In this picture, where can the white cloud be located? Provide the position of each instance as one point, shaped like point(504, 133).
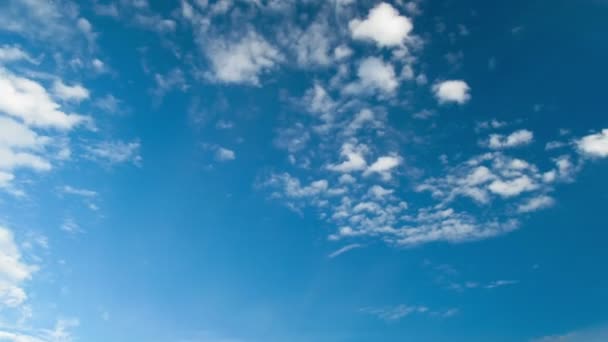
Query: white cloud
point(536, 203)
point(87, 30)
point(383, 166)
point(378, 191)
point(13, 271)
point(17, 135)
point(342, 52)
point(51, 21)
point(362, 118)
point(313, 46)
point(13, 53)
point(69, 190)
point(224, 154)
point(242, 61)
point(594, 145)
point(30, 102)
point(374, 75)
point(518, 138)
point(20, 147)
point(384, 25)
point(344, 250)
point(355, 159)
point(293, 188)
point(109, 104)
point(70, 226)
point(514, 187)
point(11, 159)
point(395, 313)
point(501, 283)
point(223, 124)
point(174, 79)
point(115, 152)
point(66, 92)
point(452, 91)
point(596, 334)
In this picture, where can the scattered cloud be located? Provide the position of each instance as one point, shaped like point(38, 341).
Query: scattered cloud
point(14, 271)
point(242, 61)
point(536, 203)
point(224, 154)
point(66, 92)
point(456, 91)
point(518, 138)
point(115, 152)
point(374, 75)
point(383, 166)
point(396, 313)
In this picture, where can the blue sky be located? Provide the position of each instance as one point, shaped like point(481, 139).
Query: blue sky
point(283, 170)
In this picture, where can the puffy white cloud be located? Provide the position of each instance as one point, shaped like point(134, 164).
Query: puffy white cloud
point(457, 91)
point(115, 152)
point(384, 25)
point(224, 154)
point(242, 61)
point(518, 138)
point(66, 92)
point(536, 203)
point(30, 102)
point(594, 145)
point(374, 75)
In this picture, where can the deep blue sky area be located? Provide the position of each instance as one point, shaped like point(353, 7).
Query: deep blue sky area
point(303, 171)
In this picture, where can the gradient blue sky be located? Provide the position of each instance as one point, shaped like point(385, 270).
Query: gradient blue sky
point(286, 171)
